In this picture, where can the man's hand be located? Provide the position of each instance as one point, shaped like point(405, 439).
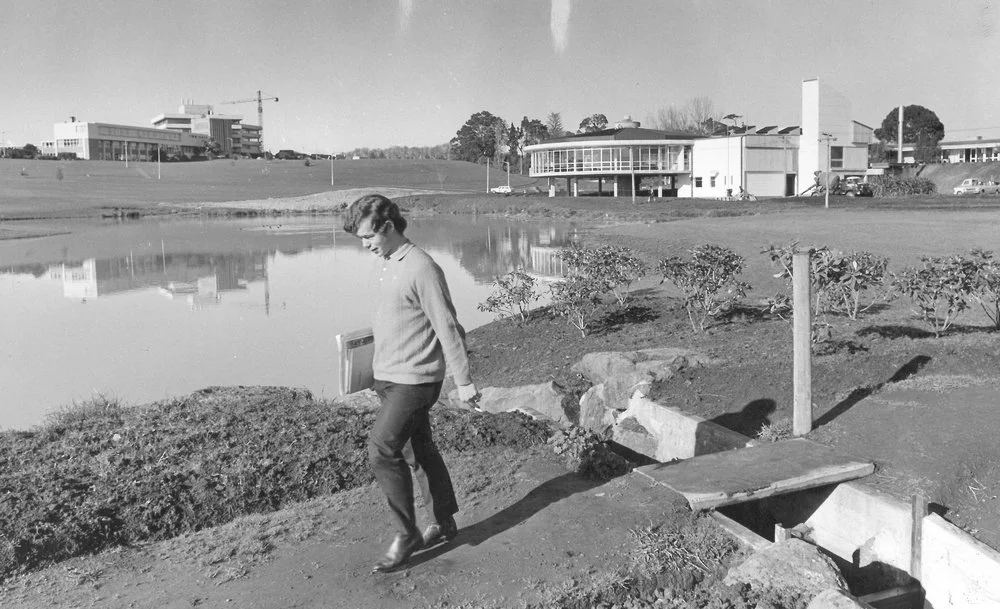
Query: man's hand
point(469, 394)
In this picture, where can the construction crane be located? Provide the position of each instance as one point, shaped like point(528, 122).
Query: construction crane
point(260, 112)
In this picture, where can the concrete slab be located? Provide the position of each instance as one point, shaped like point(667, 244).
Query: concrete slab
point(714, 480)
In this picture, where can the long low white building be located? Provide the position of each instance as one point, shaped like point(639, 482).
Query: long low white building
point(111, 142)
point(768, 161)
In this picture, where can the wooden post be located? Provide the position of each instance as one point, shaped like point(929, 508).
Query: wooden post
point(918, 509)
point(802, 418)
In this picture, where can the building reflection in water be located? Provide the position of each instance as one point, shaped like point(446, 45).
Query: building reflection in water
point(197, 279)
point(502, 249)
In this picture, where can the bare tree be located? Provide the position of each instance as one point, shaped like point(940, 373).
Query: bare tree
point(699, 110)
point(694, 116)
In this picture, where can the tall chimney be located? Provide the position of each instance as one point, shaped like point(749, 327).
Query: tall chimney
point(899, 137)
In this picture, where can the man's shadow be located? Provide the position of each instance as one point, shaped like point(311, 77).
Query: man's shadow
point(535, 501)
point(750, 420)
point(906, 371)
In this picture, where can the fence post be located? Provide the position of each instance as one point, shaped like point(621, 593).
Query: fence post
point(802, 418)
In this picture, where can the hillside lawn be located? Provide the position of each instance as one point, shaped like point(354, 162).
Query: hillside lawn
point(49, 189)
point(31, 189)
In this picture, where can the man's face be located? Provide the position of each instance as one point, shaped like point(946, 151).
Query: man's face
point(374, 242)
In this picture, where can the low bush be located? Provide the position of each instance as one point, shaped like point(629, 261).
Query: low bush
point(708, 280)
point(987, 292)
point(894, 186)
point(512, 295)
point(940, 290)
point(578, 299)
point(848, 283)
point(615, 267)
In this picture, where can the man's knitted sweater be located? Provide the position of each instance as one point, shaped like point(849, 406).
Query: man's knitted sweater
point(415, 326)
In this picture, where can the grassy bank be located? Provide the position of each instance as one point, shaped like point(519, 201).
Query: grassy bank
point(102, 475)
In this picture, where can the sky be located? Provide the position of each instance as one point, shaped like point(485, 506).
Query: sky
point(379, 73)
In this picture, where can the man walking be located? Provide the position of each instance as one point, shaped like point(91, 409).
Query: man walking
point(416, 334)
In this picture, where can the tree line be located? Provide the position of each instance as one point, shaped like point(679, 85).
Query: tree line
point(488, 138)
point(485, 137)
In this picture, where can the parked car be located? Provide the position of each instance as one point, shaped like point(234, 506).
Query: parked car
point(975, 186)
point(856, 186)
point(503, 189)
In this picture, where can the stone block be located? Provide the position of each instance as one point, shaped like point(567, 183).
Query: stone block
point(678, 435)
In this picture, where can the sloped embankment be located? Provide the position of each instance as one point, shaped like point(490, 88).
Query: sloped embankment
point(949, 175)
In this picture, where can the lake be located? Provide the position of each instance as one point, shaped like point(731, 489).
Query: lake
point(147, 309)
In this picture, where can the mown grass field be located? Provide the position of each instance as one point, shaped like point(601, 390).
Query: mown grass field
point(46, 189)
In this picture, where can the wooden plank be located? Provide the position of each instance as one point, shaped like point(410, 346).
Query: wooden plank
point(910, 596)
point(740, 532)
point(737, 476)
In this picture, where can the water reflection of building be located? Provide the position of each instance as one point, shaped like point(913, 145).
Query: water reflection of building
point(200, 278)
point(546, 263)
point(530, 248)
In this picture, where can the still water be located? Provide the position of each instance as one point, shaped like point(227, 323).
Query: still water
point(149, 309)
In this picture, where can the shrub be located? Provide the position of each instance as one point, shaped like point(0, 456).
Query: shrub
point(840, 283)
point(893, 186)
point(615, 267)
point(577, 298)
point(708, 281)
point(987, 292)
point(940, 290)
point(619, 267)
point(512, 294)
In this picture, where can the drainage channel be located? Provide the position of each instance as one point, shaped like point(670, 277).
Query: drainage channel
point(892, 553)
point(773, 519)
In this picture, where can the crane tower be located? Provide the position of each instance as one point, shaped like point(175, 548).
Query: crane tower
point(260, 111)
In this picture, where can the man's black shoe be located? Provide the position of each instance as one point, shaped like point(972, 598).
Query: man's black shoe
point(440, 532)
point(400, 550)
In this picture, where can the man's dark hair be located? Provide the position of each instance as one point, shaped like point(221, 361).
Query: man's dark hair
point(380, 208)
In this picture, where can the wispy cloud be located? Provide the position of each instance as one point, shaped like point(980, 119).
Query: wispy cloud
point(405, 11)
point(559, 24)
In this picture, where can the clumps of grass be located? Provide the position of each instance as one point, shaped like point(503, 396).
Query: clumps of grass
point(671, 567)
point(776, 431)
point(103, 474)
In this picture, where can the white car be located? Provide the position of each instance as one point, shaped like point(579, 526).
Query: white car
point(503, 189)
point(975, 186)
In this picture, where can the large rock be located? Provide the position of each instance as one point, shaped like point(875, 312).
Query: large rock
point(600, 366)
point(536, 400)
point(618, 376)
point(791, 567)
point(601, 403)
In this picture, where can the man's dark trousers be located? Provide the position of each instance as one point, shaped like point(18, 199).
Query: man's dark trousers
point(401, 441)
